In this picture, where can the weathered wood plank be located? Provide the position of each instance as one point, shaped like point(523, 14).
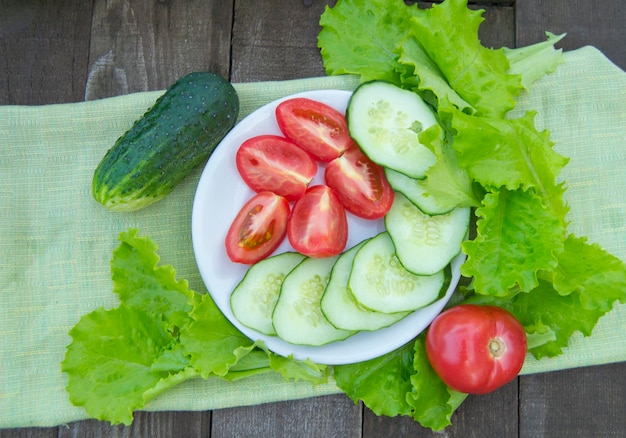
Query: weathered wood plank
point(601, 24)
point(277, 41)
point(328, 416)
point(47, 432)
point(145, 424)
point(581, 402)
point(493, 415)
point(44, 47)
point(140, 46)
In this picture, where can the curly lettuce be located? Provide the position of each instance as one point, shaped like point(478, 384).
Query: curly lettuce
point(520, 256)
point(161, 334)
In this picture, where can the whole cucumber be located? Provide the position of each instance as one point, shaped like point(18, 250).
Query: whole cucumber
point(176, 134)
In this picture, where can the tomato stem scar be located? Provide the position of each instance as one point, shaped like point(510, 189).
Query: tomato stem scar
point(497, 347)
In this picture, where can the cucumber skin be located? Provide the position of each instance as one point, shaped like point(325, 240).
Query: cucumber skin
point(180, 131)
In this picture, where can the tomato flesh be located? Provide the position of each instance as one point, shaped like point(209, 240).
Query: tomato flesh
point(318, 226)
point(258, 229)
point(276, 164)
point(360, 184)
point(314, 126)
point(476, 349)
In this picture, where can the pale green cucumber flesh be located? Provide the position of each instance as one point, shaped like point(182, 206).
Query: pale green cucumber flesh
point(254, 298)
point(297, 317)
point(379, 281)
point(385, 120)
point(414, 190)
point(425, 244)
point(340, 307)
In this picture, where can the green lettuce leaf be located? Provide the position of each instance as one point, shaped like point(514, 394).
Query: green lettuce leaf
point(422, 75)
point(300, 370)
point(507, 153)
point(516, 236)
point(212, 342)
point(140, 282)
point(433, 403)
point(255, 362)
point(586, 284)
point(359, 37)
point(110, 363)
point(587, 269)
point(445, 180)
point(448, 32)
point(536, 60)
point(381, 383)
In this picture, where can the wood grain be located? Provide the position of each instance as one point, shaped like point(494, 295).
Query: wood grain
point(328, 416)
point(576, 403)
point(601, 24)
point(44, 47)
point(276, 43)
point(141, 46)
point(145, 424)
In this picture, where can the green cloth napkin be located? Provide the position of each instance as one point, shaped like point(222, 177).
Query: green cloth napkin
point(56, 242)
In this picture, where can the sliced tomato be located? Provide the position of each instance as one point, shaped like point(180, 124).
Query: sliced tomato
point(316, 127)
point(276, 164)
point(360, 184)
point(318, 226)
point(258, 229)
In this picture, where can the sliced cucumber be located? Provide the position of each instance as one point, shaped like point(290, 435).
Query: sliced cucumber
point(425, 244)
point(254, 298)
point(339, 305)
point(415, 191)
point(385, 121)
point(380, 283)
point(298, 317)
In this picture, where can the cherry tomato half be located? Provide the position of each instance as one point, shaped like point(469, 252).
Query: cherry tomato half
point(318, 226)
point(258, 229)
point(314, 126)
point(476, 349)
point(360, 184)
point(273, 163)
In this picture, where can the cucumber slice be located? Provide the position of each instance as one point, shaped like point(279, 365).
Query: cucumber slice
point(298, 317)
point(425, 244)
point(254, 298)
point(385, 121)
point(340, 307)
point(415, 191)
point(379, 281)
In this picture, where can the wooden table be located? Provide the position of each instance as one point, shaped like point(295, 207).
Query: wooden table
point(75, 50)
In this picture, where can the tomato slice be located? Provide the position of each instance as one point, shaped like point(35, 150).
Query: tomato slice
point(276, 164)
point(318, 226)
point(360, 184)
point(258, 229)
point(316, 127)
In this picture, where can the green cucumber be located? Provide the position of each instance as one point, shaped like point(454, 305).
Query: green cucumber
point(297, 317)
point(425, 243)
point(379, 282)
point(254, 298)
point(175, 135)
point(385, 120)
point(340, 307)
point(415, 191)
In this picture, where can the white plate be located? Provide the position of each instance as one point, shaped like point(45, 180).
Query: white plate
point(219, 196)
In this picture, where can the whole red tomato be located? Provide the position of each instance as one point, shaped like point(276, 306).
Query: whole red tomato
point(476, 349)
